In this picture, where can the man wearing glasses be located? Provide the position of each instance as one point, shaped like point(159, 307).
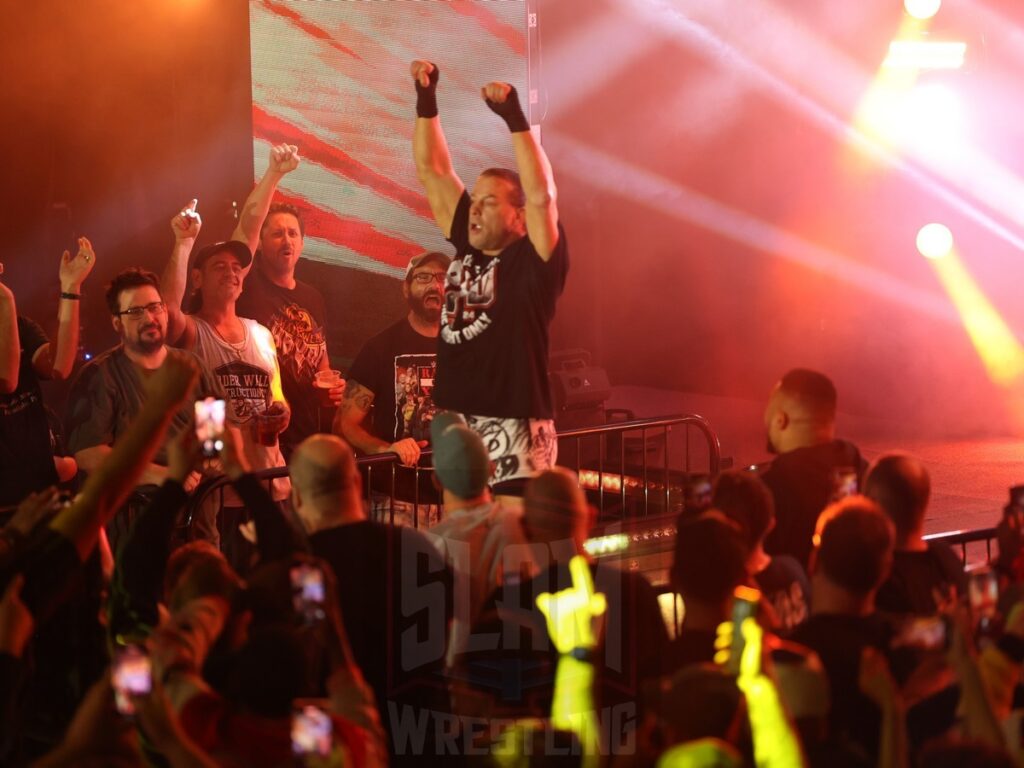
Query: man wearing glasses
point(388, 401)
point(109, 390)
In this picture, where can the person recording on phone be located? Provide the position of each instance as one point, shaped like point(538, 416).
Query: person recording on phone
point(241, 354)
point(109, 391)
point(390, 580)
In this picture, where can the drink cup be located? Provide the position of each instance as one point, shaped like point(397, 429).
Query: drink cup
point(324, 382)
point(265, 432)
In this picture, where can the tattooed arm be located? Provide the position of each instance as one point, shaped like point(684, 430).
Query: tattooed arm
point(349, 424)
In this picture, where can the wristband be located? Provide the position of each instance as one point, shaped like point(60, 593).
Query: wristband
point(426, 98)
point(71, 296)
point(511, 112)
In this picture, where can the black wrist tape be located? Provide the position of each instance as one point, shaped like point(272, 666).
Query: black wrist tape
point(426, 98)
point(511, 112)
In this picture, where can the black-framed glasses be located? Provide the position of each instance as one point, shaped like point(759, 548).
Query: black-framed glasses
point(154, 308)
point(429, 277)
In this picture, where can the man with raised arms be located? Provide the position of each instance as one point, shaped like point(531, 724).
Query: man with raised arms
point(509, 270)
point(294, 311)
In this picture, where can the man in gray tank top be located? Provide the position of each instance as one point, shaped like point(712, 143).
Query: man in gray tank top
point(239, 351)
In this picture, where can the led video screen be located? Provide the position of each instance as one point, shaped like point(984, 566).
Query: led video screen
point(333, 79)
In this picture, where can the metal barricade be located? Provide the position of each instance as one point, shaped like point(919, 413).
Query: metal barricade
point(962, 538)
point(628, 469)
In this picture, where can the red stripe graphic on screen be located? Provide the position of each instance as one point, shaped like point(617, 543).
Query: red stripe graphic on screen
point(355, 234)
point(275, 130)
point(333, 79)
point(308, 27)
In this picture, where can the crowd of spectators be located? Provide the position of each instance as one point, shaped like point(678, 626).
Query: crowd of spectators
point(491, 636)
point(805, 619)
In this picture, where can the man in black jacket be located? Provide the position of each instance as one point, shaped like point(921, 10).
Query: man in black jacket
point(812, 468)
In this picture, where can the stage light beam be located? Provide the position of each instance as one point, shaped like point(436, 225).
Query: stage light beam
point(997, 346)
point(934, 241)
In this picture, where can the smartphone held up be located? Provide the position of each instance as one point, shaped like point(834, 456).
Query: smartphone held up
point(210, 415)
point(131, 675)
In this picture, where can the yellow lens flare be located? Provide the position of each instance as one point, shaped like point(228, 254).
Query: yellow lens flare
point(1000, 351)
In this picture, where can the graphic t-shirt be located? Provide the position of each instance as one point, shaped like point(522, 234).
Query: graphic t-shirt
point(296, 320)
point(245, 371)
point(26, 450)
point(784, 585)
point(398, 366)
point(108, 394)
point(493, 355)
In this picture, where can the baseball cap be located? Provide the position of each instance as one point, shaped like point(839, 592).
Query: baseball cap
point(426, 258)
point(461, 462)
point(239, 249)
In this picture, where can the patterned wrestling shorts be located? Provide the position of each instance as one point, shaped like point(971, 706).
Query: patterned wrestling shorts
point(519, 448)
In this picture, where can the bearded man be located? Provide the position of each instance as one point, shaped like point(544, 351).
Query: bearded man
point(388, 403)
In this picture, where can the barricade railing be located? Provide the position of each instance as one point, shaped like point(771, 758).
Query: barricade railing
point(962, 538)
point(628, 469)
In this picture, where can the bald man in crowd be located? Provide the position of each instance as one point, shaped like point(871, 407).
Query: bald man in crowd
point(389, 578)
point(517, 669)
point(812, 468)
point(925, 575)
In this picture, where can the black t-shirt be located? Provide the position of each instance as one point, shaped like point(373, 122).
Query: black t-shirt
point(398, 366)
point(493, 355)
point(693, 646)
point(785, 586)
point(916, 576)
point(839, 641)
point(395, 591)
point(108, 393)
point(804, 482)
point(26, 450)
point(296, 317)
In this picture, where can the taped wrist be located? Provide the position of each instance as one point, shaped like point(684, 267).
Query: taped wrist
point(426, 98)
point(511, 112)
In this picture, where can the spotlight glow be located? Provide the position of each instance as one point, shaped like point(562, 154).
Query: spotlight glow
point(934, 241)
point(922, 9)
point(933, 109)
